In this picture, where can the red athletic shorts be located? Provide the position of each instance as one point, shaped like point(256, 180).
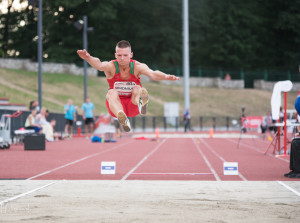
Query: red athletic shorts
point(129, 108)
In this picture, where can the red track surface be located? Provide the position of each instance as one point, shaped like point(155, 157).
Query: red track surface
point(168, 159)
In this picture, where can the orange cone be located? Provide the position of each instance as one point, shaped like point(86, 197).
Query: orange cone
point(211, 133)
point(157, 133)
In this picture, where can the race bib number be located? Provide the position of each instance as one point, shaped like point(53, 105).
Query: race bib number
point(124, 88)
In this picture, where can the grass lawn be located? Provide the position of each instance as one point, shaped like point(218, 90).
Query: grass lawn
point(22, 86)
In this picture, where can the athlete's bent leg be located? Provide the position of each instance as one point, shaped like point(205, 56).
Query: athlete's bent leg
point(116, 108)
point(135, 96)
point(124, 121)
point(140, 97)
point(114, 101)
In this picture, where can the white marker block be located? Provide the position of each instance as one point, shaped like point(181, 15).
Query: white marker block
point(231, 168)
point(108, 167)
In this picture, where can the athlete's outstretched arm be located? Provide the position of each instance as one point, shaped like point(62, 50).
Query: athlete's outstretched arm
point(93, 61)
point(155, 74)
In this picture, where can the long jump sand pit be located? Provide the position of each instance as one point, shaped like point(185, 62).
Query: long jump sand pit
point(149, 201)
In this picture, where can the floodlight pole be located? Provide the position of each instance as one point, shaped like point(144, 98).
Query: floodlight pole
point(186, 58)
point(40, 50)
point(85, 25)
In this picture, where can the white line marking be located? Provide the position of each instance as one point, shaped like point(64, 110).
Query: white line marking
point(207, 162)
point(77, 161)
point(171, 173)
point(193, 135)
point(143, 160)
point(26, 193)
point(220, 157)
point(289, 188)
point(254, 148)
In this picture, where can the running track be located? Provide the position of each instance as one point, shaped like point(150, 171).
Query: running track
point(193, 158)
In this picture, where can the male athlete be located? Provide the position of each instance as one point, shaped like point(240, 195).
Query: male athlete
point(126, 97)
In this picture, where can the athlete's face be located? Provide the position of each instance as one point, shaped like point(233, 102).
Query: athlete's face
point(123, 55)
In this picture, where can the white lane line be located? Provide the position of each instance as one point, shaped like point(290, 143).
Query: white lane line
point(79, 160)
point(207, 162)
point(262, 152)
point(171, 173)
point(220, 157)
point(289, 188)
point(143, 160)
point(26, 193)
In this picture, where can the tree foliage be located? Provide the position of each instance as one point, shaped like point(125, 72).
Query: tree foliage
point(223, 33)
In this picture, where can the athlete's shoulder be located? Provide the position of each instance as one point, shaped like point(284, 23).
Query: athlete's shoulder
point(111, 69)
point(137, 63)
point(112, 64)
point(139, 69)
point(140, 65)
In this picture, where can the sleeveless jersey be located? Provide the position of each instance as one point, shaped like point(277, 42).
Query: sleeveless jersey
point(123, 87)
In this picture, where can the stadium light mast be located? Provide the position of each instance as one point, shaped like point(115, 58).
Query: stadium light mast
point(40, 50)
point(83, 25)
point(39, 3)
point(186, 57)
point(85, 45)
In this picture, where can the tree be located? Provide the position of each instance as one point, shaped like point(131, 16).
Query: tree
point(226, 34)
point(282, 18)
point(5, 20)
point(153, 28)
point(223, 33)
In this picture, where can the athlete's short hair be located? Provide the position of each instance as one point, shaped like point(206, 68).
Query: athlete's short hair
point(123, 44)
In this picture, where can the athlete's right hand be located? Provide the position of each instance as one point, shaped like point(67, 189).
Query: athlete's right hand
point(83, 54)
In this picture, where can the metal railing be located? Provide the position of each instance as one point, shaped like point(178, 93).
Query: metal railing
point(140, 123)
point(200, 123)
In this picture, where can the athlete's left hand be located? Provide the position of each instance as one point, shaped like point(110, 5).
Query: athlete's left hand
point(170, 77)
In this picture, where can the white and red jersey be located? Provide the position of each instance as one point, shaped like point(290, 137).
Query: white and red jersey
point(124, 87)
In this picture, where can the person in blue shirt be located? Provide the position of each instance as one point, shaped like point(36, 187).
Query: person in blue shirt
point(70, 116)
point(186, 120)
point(88, 114)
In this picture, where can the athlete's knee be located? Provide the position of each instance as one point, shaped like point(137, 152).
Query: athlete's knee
point(111, 94)
point(136, 90)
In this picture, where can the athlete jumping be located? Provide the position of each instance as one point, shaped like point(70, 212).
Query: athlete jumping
point(126, 97)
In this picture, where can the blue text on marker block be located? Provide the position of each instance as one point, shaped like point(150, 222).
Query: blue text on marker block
point(230, 168)
point(108, 167)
